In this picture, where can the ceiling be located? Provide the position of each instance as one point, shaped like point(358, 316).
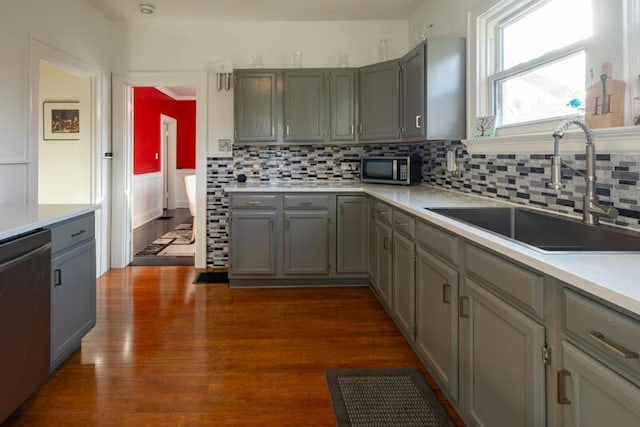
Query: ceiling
point(259, 10)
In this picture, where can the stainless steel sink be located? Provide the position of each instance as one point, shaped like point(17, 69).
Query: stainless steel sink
point(547, 232)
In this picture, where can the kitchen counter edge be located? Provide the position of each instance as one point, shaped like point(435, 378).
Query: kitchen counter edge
point(20, 219)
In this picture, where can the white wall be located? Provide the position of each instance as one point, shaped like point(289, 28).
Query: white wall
point(449, 18)
point(175, 46)
point(72, 26)
point(65, 166)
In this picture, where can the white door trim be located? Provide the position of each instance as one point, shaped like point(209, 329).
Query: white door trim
point(122, 84)
point(39, 50)
point(168, 155)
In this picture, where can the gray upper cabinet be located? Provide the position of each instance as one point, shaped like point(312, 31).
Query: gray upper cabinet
point(380, 102)
point(413, 94)
point(352, 244)
point(342, 105)
point(433, 91)
point(256, 106)
point(502, 373)
point(304, 110)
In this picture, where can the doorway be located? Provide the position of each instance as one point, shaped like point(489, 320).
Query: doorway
point(163, 153)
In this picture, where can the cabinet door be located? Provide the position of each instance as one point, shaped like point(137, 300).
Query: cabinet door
point(306, 242)
point(256, 111)
point(73, 299)
point(373, 242)
point(380, 102)
point(253, 243)
point(593, 395)
point(437, 319)
point(353, 234)
point(342, 108)
point(304, 106)
point(413, 123)
point(502, 378)
point(403, 283)
point(383, 262)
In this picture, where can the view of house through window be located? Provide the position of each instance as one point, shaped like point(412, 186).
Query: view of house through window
point(540, 66)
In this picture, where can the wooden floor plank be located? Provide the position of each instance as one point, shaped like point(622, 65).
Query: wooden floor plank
point(168, 352)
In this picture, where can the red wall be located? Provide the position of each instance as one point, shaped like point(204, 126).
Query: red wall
point(148, 104)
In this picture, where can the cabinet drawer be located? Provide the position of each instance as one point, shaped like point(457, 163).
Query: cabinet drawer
point(68, 233)
point(438, 242)
point(525, 288)
point(254, 201)
point(306, 201)
point(404, 223)
point(383, 212)
point(608, 332)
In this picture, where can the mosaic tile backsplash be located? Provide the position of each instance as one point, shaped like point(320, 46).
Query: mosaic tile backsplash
point(518, 178)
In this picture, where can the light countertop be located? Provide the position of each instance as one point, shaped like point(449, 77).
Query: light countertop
point(614, 277)
point(18, 219)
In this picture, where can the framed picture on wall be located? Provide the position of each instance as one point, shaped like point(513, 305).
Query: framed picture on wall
point(60, 120)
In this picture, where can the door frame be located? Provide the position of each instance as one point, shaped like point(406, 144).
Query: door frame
point(168, 153)
point(122, 177)
point(99, 111)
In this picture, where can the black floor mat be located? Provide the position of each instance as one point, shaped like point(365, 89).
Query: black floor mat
point(164, 217)
point(212, 277)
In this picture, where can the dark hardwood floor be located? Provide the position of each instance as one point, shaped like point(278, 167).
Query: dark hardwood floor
point(168, 352)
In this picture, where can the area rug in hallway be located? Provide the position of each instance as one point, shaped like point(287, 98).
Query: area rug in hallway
point(169, 248)
point(384, 397)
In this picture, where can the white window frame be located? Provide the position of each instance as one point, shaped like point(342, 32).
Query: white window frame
point(533, 137)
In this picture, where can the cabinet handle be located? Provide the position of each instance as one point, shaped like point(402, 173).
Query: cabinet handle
point(273, 130)
point(287, 130)
point(78, 233)
point(57, 277)
point(352, 129)
point(304, 204)
point(385, 243)
point(446, 293)
point(253, 203)
point(612, 346)
point(562, 393)
point(401, 224)
point(383, 213)
point(463, 313)
point(418, 122)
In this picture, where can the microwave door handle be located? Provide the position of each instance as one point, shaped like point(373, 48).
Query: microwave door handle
point(394, 170)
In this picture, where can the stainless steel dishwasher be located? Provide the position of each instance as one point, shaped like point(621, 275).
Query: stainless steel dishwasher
point(25, 280)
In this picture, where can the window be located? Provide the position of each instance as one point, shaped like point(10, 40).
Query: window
point(535, 60)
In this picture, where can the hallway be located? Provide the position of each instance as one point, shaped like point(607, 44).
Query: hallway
point(152, 230)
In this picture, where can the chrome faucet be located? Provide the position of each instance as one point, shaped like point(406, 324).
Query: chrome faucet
point(591, 209)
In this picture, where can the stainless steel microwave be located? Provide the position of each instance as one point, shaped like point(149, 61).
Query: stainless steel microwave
point(391, 170)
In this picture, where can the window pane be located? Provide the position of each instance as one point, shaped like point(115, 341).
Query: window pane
point(544, 92)
point(556, 24)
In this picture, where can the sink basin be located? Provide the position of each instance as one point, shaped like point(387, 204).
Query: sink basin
point(547, 232)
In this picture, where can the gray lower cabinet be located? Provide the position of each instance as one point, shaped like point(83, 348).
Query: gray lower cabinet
point(373, 240)
point(304, 109)
point(502, 376)
point(73, 286)
point(403, 290)
point(380, 102)
point(256, 106)
point(253, 243)
point(352, 234)
point(306, 242)
point(383, 264)
point(436, 336)
point(592, 395)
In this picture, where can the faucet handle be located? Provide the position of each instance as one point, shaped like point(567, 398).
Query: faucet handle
point(556, 185)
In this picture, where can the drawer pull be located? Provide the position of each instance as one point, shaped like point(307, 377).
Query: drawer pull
point(615, 348)
point(462, 303)
point(253, 203)
point(383, 213)
point(57, 277)
point(562, 394)
point(78, 233)
point(304, 204)
point(401, 224)
point(446, 293)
